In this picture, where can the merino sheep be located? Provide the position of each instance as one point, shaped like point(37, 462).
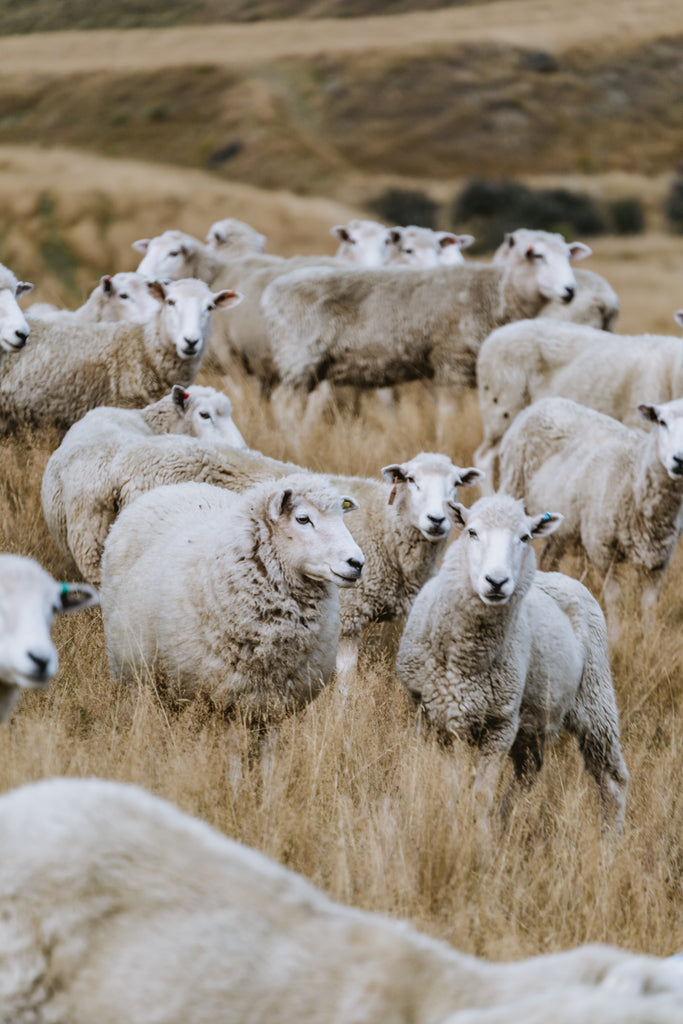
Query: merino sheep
point(232, 238)
point(621, 490)
point(117, 907)
point(363, 242)
point(29, 600)
point(503, 657)
point(80, 484)
point(14, 330)
point(121, 297)
point(254, 621)
point(532, 359)
point(595, 303)
point(69, 369)
point(421, 247)
point(375, 329)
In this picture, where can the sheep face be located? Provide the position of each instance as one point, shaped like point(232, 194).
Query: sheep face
point(14, 330)
point(206, 414)
point(669, 420)
point(422, 247)
point(497, 532)
point(549, 256)
point(169, 257)
point(311, 538)
point(186, 312)
point(29, 600)
point(230, 233)
point(363, 242)
point(420, 488)
point(127, 298)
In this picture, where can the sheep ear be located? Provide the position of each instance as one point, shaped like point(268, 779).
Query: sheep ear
point(649, 412)
point(74, 596)
point(509, 238)
point(445, 238)
point(226, 299)
point(456, 513)
point(22, 288)
point(469, 477)
point(464, 241)
point(142, 244)
point(541, 526)
point(105, 283)
point(280, 504)
point(394, 474)
point(180, 396)
point(678, 317)
point(340, 232)
point(157, 289)
point(349, 504)
point(394, 236)
point(578, 251)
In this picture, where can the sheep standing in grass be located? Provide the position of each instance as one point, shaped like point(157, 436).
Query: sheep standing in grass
point(29, 600)
point(505, 658)
point(621, 490)
point(69, 369)
point(231, 595)
point(80, 484)
point(117, 907)
point(421, 247)
point(14, 329)
point(121, 297)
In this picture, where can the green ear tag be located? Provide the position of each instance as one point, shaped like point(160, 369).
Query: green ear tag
point(64, 589)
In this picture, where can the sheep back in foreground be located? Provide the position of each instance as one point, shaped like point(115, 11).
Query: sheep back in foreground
point(231, 595)
point(117, 907)
point(79, 491)
point(29, 600)
point(503, 657)
point(71, 368)
point(621, 490)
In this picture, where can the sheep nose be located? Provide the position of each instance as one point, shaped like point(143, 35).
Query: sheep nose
point(496, 584)
point(22, 336)
point(356, 564)
point(437, 520)
point(569, 293)
point(191, 343)
point(40, 663)
point(678, 464)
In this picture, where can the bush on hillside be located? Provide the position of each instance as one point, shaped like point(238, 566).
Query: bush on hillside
point(405, 206)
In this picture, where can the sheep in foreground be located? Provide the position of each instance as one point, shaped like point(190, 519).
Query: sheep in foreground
point(232, 238)
point(595, 303)
point(79, 491)
point(421, 247)
point(69, 369)
point(121, 297)
point(621, 490)
point(363, 242)
point(117, 908)
point(532, 359)
point(378, 328)
point(231, 595)
point(14, 329)
point(29, 600)
point(505, 658)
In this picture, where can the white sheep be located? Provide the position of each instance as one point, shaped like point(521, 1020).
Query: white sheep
point(80, 486)
point(121, 297)
point(231, 595)
point(232, 238)
point(14, 329)
point(595, 302)
point(381, 327)
point(29, 600)
point(71, 368)
point(621, 490)
point(505, 658)
point(362, 242)
point(531, 359)
point(116, 906)
point(414, 246)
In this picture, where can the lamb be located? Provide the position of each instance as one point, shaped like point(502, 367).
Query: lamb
point(80, 483)
point(621, 490)
point(381, 328)
point(123, 296)
point(14, 330)
point(595, 303)
point(504, 657)
point(232, 238)
point(363, 242)
point(118, 907)
point(255, 620)
point(532, 359)
point(421, 247)
point(29, 600)
point(69, 369)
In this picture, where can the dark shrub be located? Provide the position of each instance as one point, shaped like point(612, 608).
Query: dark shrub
point(405, 206)
point(627, 216)
point(673, 205)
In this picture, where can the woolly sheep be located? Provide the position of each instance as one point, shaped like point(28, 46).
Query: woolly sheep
point(121, 297)
point(14, 330)
point(80, 485)
point(532, 359)
point(503, 657)
point(249, 611)
point(362, 242)
point(69, 369)
point(421, 247)
point(595, 303)
point(117, 907)
point(621, 490)
point(29, 600)
point(232, 238)
point(374, 329)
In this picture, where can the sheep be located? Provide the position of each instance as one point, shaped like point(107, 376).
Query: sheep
point(14, 329)
point(421, 247)
point(123, 296)
point(117, 907)
point(80, 483)
point(621, 490)
point(232, 238)
point(254, 621)
point(595, 303)
point(69, 368)
point(363, 242)
point(533, 359)
point(374, 329)
point(29, 600)
point(504, 657)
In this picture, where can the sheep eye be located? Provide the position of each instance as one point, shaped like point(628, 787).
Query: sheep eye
point(303, 518)
point(525, 537)
point(170, 302)
point(409, 252)
point(473, 534)
point(410, 479)
point(205, 415)
point(123, 295)
point(174, 253)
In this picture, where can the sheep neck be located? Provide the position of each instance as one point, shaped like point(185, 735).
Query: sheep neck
point(654, 512)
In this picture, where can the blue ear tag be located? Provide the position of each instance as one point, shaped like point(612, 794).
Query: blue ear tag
point(64, 589)
point(546, 517)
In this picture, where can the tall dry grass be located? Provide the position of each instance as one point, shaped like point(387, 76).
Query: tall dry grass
point(349, 794)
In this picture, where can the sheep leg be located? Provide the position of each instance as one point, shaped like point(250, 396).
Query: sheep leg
point(651, 585)
point(602, 759)
point(483, 796)
point(447, 409)
point(486, 459)
point(346, 663)
point(611, 592)
point(527, 753)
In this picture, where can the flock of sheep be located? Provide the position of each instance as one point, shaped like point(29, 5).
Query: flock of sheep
point(222, 571)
